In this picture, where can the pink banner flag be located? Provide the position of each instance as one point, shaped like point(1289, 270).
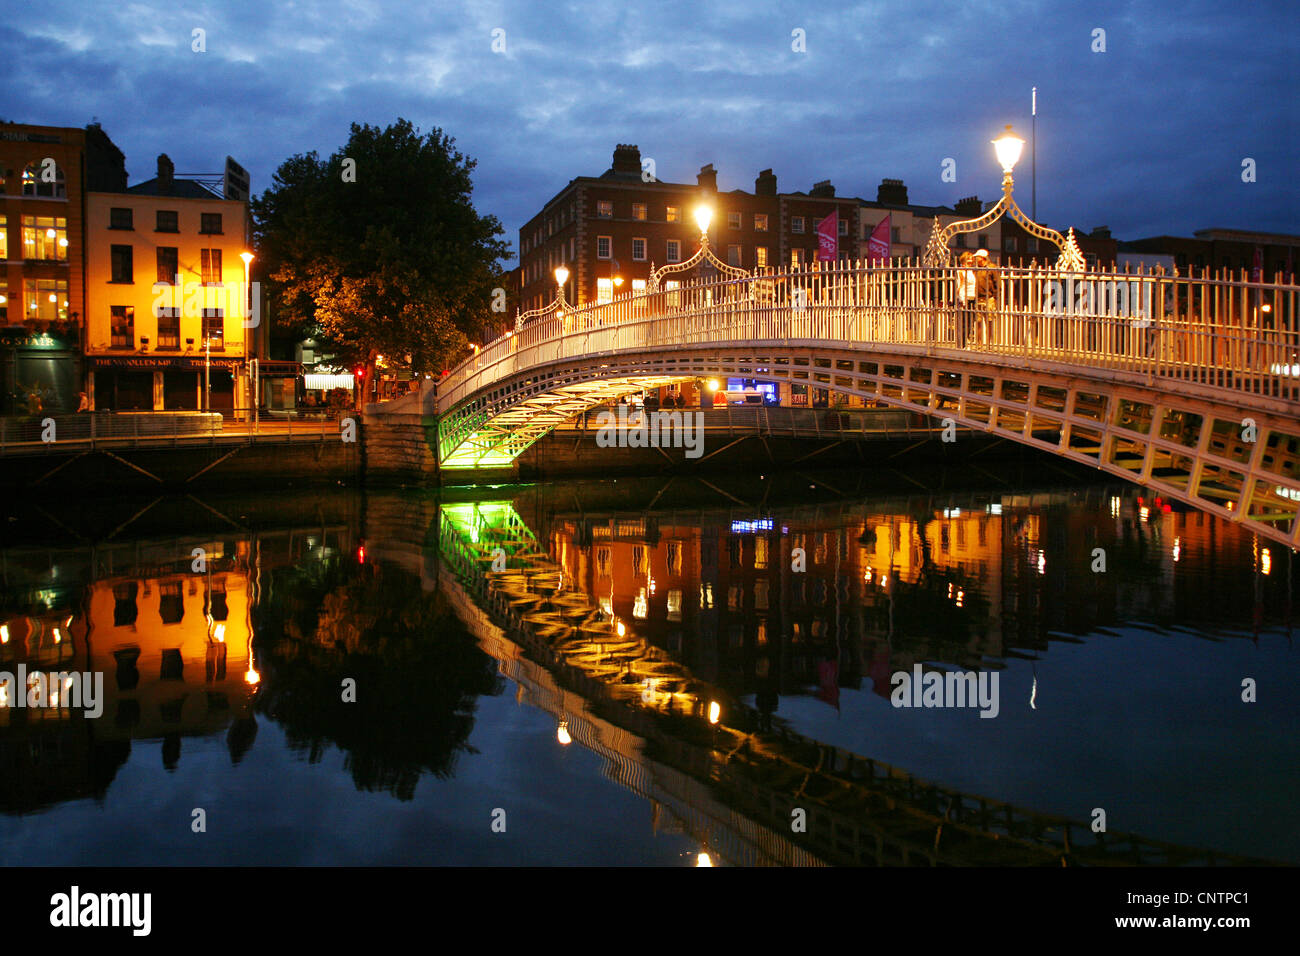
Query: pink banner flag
point(878, 244)
point(828, 238)
point(1257, 269)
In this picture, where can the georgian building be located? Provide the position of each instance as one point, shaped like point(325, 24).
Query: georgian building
point(168, 314)
point(610, 231)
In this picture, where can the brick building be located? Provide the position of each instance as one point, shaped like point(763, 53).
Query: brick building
point(911, 224)
point(46, 173)
point(611, 230)
point(1232, 250)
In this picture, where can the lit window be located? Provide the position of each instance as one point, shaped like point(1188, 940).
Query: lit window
point(760, 257)
point(674, 214)
point(638, 285)
point(638, 210)
point(45, 300)
point(796, 224)
point(4, 239)
point(604, 290)
point(45, 237)
point(605, 209)
point(674, 250)
point(760, 222)
point(603, 246)
point(638, 250)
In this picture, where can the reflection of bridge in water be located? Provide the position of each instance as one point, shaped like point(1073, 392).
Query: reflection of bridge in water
point(1196, 398)
point(733, 782)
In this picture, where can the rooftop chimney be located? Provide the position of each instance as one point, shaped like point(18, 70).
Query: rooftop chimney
point(765, 184)
point(627, 159)
point(823, 189)
point(708, 178)
point(166, 175)
point(892, 192)
point(969, 207)
point(1100, 232)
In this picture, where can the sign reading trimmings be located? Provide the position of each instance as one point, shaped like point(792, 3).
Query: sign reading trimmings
point(235, 183)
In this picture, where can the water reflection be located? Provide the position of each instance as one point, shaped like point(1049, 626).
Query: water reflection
point(719, 663)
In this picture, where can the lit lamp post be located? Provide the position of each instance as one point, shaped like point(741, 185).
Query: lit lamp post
point(703, 216)
point(561, 277)
point(252, 359)
point(1007, 147)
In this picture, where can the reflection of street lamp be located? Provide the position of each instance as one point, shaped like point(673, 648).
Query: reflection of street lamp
point(252, 359)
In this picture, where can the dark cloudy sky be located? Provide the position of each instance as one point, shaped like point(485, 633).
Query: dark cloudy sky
point(1147, 137)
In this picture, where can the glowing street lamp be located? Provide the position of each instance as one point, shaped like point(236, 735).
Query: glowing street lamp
point(703, 216)
point(1008, 147)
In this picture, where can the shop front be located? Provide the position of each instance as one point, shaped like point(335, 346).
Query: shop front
point(40, 373)
point(136, 383)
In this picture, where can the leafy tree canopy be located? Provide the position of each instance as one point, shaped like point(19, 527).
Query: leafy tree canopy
point(378, 249)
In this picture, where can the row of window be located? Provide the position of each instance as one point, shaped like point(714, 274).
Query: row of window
point(165, 220)
point(122, 328)
point(44, 300)
point(122, 266)
point(673, 253)
point(43, 237)
point(798, 224)
point(38, 184)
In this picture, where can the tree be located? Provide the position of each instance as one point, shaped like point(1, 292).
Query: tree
point(378, 249)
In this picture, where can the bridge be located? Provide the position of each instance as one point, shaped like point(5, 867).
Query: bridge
point(1187, 386)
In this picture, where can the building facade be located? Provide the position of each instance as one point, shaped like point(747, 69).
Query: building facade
point(911, 225)
point(1227, 250)
point(611, 231)
point(170, 324)
point(46, 173)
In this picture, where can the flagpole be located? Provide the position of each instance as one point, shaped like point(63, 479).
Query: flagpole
point(1033, 202)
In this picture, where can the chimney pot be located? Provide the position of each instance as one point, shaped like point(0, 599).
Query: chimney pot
point(708, 178)
point(166, 175)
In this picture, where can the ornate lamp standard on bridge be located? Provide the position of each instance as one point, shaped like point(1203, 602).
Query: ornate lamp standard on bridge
point(703, 216)
point(1007, 147)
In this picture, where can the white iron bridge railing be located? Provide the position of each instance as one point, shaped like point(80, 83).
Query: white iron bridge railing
point(1230, 335)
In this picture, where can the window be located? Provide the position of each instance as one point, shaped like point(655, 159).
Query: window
point(638, 285)
point(760, 222)
point(604, 290)
point(45, 237)
point(798, 257)
point(168, 265)
point(760, 257)
point(120, 218)
point(4, 239)
point(733, 220)
point(603, 246)
point(674, 251)
point(36, 181)
point(210, 266)
point(123, 326)
point(210, 223)
point(45, 300)
point(638, 210)
point(167, 220)
point(214, 328)
point(796, 224)
point(844, 227)
point(1031, 245)
point(896, 234)
point(984, 240)
point(733, 256)
point(1010, 243)
point(122, 264)
point(638, 250)
point(673, 214)
point(169, 328)
point(605, 209)
point(961, 240)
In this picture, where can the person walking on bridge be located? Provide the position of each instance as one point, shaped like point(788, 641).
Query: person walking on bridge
point(986, 295)
point(965, 299)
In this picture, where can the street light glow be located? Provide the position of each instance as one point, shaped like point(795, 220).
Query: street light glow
point(703, 216)
point(1008, 147)
point(561, 275)
point(247, 257)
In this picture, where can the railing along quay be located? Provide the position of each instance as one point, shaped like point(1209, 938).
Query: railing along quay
point(89, 431)
point(1216, 332)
